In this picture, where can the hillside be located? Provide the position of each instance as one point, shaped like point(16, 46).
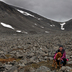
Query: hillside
point(25, 21)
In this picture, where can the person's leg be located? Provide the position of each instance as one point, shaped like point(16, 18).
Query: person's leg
point(57, 62)
point(64, 61)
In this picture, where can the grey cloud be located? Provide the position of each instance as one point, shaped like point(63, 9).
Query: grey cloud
point(59, 10)
point(20, 3)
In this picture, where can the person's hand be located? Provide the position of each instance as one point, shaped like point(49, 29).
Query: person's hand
point(55, 59)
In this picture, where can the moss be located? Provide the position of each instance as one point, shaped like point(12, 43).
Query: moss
point(35, 66)
point(17, 60)
point(18, 49)
point(42, 63)
point(70, 65)
point(7, 55)
point(27, 70)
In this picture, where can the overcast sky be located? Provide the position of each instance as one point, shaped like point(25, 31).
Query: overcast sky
point(58, 10)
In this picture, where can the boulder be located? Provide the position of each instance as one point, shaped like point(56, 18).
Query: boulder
point(70, 62)
point(12, 69)
point(50, 58)
point(65, 69)
point(19, 55)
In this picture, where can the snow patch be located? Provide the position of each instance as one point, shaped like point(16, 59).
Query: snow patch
point(46, 31)
point(35, 24)
point(6, 25)
point(20, 11)
point(28, 14)
point(39, 18)
point(52, 25)
point(18, 31)
point(62, 26)
point(26, 32)
point(42, 27)
point(25, 13)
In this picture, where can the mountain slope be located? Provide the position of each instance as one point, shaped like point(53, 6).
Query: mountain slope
point(41, 20)
point(24, 20)
point(68, 25)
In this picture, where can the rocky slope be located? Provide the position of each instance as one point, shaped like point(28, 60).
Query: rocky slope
point(34, 53)
point(31, 40)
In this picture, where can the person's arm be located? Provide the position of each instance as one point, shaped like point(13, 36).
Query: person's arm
point(64, 55)
point(55, 55)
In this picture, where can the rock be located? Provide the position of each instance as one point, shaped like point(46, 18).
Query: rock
point(32, 69)
point(8, 66)
point(1, 64)
point(66, 69)
point(33, 59)
point(43, 69)
point(55, 47)
point(3, 56)
point(42, 53)
point(50, 58)
point(21, 69)
point(44, 49)
point(71, 57)
point(1, 52)
point(29, 69)
point(45, 58)
point(2, 68)
point(13, 52)
point(67, 56)
point(19, 55)
point(49, 54)
point(30, 55)
point(25, 61)
point(70, 62)
point(28, 43)
point(16, 71)
point(12, 69)
point(21, 64)
point(19, 46)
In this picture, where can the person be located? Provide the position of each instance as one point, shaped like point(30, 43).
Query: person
point(63, 58)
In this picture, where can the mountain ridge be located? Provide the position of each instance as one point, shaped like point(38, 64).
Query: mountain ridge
point(26, 21)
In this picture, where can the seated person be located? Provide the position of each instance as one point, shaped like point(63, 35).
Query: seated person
point(63, 58)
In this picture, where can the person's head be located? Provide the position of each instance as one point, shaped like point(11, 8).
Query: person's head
point(60, 47)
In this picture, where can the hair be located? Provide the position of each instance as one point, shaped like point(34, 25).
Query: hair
point(61, 46)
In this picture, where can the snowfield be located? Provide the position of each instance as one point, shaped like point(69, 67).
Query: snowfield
point(6, 25)
point(25, 13)
point(9, 26)
point(62, 26)
point(18, 31)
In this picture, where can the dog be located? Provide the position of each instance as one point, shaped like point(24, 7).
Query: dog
point(58, 56)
